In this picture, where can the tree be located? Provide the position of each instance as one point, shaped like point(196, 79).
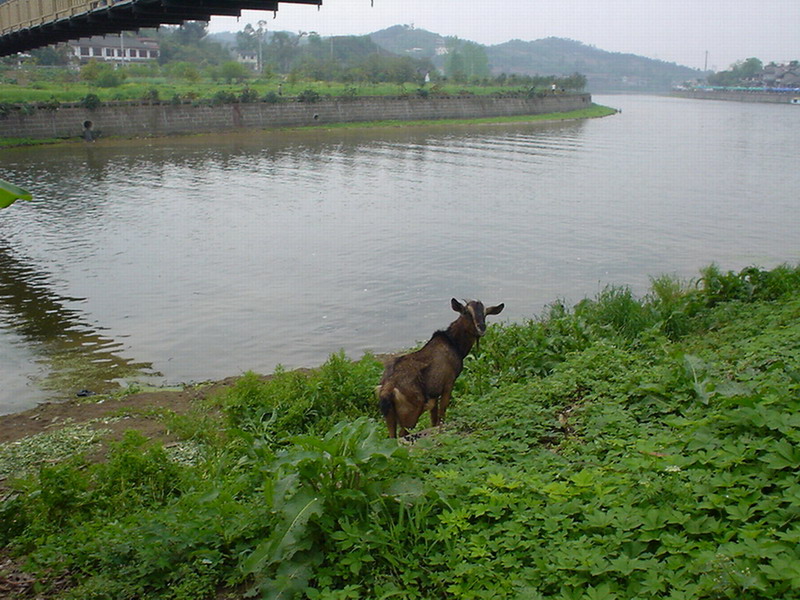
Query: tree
point(191, 32)
point(184, 70)
point(738, 73)
point(246, 40)
point(51, 55)
point(750, 68)
point(188, 43)
point(102, 74)
point(576, 81)
point(465, 60)
point(232, 70)
point(283, 48)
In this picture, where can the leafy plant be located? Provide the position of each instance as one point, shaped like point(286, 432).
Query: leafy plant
point(308, 95)
point(291, 403)
point(320, 483)
point(91, 102)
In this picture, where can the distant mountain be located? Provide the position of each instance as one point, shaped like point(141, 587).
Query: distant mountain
point(605, 71)
point(407, 41)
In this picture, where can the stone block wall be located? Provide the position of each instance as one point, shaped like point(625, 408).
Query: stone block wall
point(170, 119)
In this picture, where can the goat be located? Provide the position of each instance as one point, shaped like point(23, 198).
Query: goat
point(423, 380)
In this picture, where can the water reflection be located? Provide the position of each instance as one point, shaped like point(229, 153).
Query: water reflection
point(76, 356)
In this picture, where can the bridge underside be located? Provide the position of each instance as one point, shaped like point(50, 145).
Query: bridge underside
point(107, 16)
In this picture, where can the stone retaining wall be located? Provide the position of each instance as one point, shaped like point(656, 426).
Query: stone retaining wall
point(739, 96)
point(169, 119)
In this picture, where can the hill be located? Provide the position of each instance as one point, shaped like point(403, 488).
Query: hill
point(605, 71)
point(405, 40)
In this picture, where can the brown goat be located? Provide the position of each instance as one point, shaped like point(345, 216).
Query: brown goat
point(423, 380)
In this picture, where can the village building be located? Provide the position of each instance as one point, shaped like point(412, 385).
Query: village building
point(248, 58)
point(781, 75)
point(114, 48)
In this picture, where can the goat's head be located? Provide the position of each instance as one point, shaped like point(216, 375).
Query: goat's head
point(475, 313)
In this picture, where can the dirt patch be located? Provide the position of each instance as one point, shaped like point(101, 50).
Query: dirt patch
point(139, 411)
point(106, 417)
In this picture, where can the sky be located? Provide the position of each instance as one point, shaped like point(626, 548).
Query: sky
point(679, 31)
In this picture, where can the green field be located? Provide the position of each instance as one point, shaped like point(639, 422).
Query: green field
point(623, 448)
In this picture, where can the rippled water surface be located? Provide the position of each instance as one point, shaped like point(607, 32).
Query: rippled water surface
point(198, 258)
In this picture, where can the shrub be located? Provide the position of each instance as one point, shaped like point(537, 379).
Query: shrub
point(290, 403)
point(248, 95)
point(91, 102)
point(223, 97)
point(110, 79)
point(271, 98)
point(617, 310)
point(309, 95)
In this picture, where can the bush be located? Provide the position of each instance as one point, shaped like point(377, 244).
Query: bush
point(151, 95)
point(110, 79)
point(271, 98)
point(309, 95)
point(248, 95)
point(223, 97)
point(291, 403)
point(91, 102)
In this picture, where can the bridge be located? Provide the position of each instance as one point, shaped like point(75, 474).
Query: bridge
point(28, 24)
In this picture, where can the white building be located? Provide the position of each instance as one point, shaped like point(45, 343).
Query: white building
point(114, 48)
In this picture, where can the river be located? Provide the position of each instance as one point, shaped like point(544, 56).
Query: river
point(191, 259)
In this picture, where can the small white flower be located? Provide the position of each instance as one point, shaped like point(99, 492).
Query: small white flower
point(672, 468)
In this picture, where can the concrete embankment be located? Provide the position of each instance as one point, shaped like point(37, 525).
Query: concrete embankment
point(129, 120)
point(740, 96)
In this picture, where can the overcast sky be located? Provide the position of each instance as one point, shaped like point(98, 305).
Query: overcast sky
point(678, 31)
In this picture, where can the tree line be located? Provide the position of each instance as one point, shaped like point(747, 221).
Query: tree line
point(189, 53)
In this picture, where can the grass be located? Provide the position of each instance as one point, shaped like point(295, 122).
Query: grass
point(595, 111)
point(12, 142)
point(28, 88)
point(624, 448)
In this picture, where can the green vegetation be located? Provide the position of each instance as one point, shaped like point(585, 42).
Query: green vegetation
point(738, 74)
point(42, 87)
point(625, 448)
point(192, 67)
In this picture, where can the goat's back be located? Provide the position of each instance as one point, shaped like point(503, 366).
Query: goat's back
point(431, 369)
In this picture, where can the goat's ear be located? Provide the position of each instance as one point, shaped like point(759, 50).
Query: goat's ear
point(495, 310)
point(457, 306)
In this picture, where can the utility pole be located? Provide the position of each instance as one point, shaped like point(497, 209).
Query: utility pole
point(262, 29)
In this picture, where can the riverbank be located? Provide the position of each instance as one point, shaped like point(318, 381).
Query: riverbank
point(159, 119)
point(592, 112)
point(739, 96)
point(689, 395)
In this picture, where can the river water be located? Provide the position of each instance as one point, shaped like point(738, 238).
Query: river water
point(192, 259)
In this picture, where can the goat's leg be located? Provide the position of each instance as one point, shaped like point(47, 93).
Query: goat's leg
point(391, 424)
point(443, 403)
point(409, 407)
point(435, 413)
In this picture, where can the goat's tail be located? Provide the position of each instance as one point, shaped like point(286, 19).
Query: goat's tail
point(385, 395)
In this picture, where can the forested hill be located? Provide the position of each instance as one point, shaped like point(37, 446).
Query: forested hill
point(605, 71)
